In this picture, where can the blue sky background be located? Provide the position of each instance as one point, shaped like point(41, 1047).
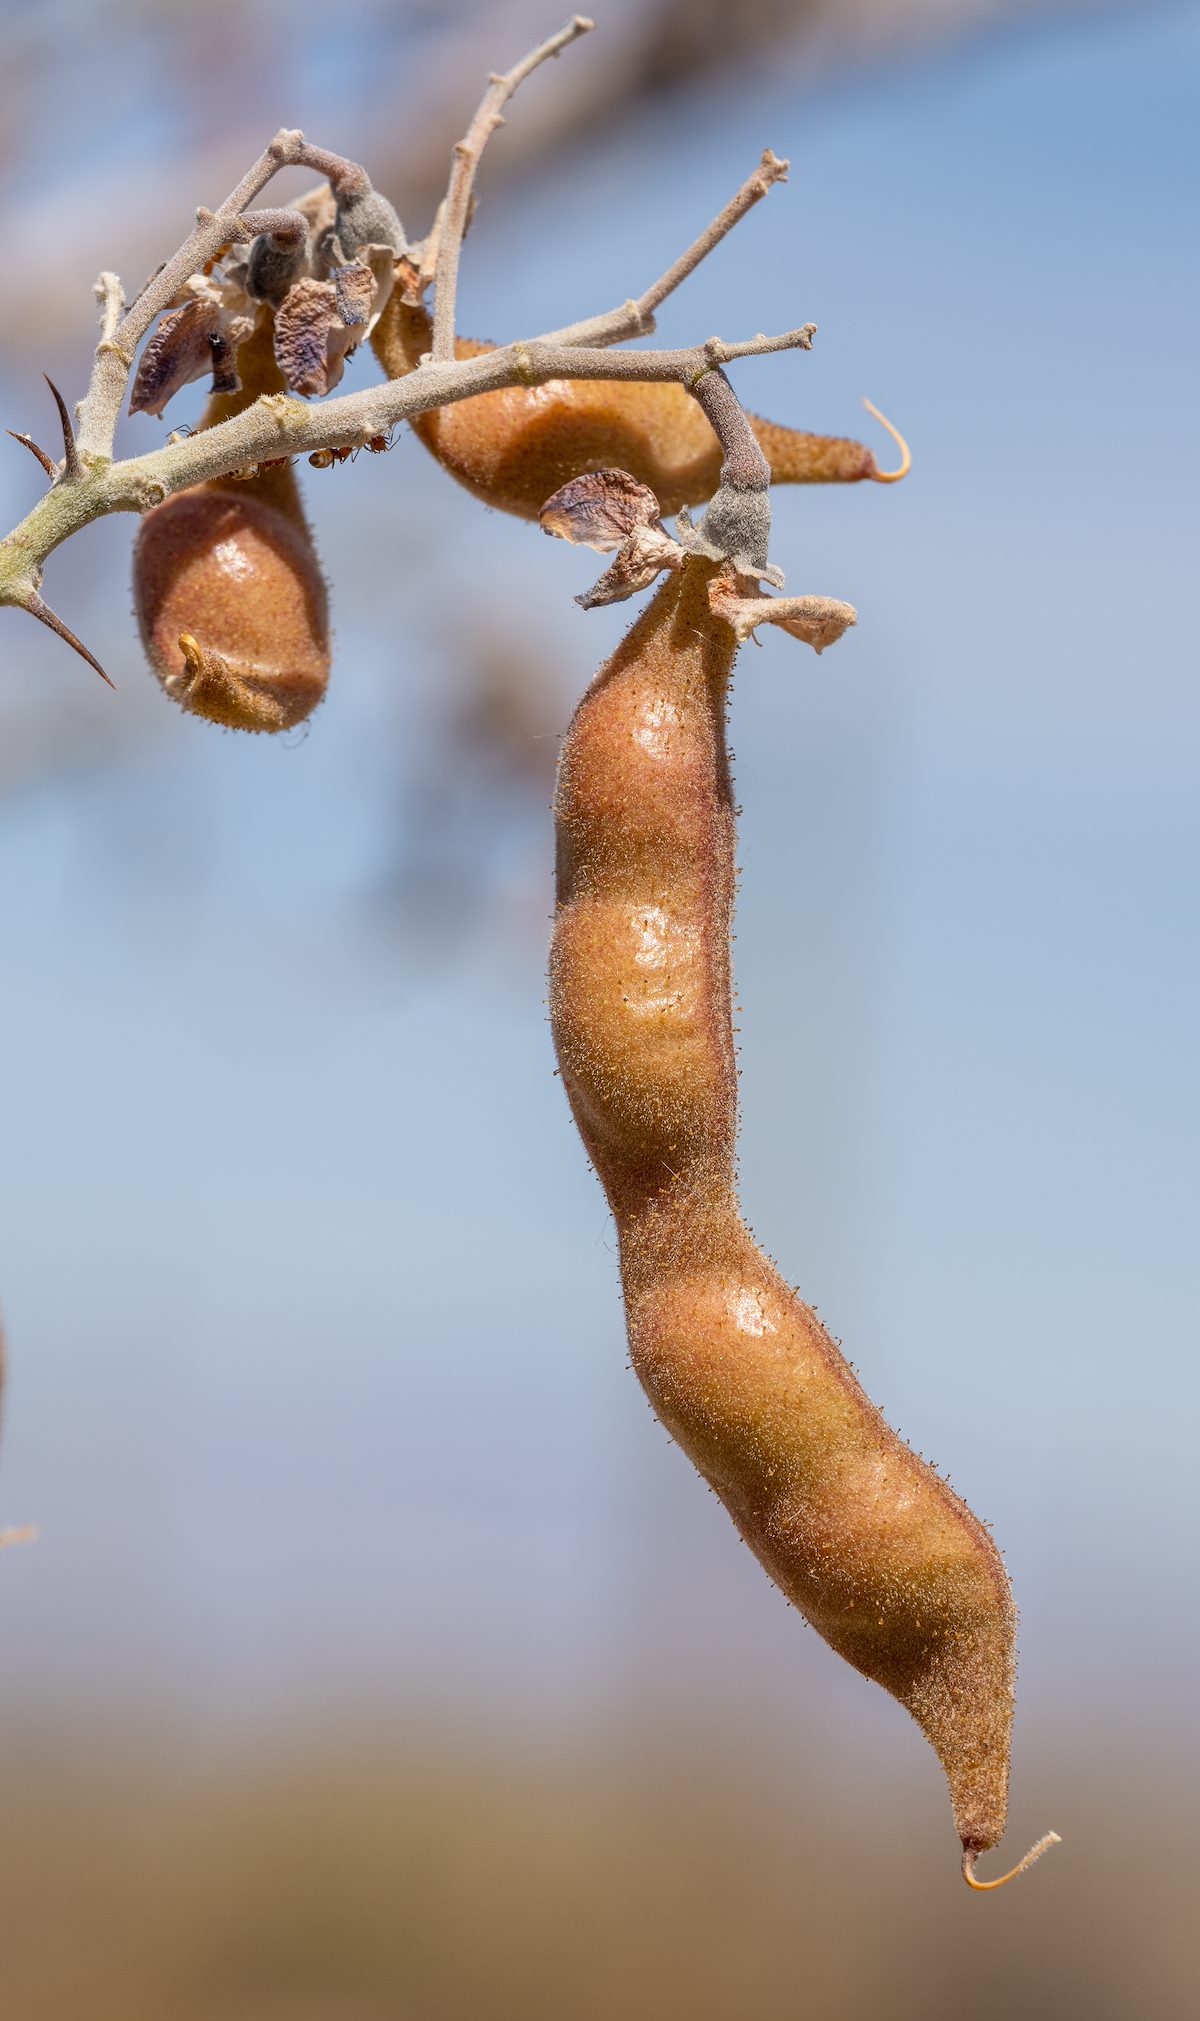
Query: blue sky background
point(318, 1389)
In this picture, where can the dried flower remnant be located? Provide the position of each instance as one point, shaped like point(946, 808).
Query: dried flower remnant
point(818, 621)
point(311, 340)
point(180, 350)
point(600, 509)
point(608, 509)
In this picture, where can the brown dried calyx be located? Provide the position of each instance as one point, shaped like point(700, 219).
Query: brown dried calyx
point(228, 591)
point(608, 509)
point(818, 621)
point(514, 447)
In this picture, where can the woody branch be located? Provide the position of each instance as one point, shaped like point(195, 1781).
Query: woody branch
point(89, 484)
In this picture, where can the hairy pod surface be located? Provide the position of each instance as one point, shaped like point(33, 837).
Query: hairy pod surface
point(874, 1548)
point(228, 590)
point(513, 448)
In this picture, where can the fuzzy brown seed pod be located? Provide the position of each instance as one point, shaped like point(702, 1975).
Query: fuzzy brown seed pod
point(514, 447)
point(227, 588)
point(874, 1548)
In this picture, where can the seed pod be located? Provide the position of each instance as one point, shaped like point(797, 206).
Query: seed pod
point(228, 591)
point(514, 447)
point(874, 1548)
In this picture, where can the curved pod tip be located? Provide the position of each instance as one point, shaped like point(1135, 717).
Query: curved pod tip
point(971, 1854)
point(890, 476)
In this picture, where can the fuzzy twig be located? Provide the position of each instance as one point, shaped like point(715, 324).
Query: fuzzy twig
point(467, 152)
point(111, 297)
point(745, 467)
point(637, 318)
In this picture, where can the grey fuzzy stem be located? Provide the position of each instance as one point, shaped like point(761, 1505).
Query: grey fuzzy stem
point(738, 521)
point(745, 467)
point(284, 228)
point(456, 209)
point(345, 178)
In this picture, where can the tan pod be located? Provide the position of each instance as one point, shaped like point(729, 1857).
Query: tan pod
point(227, 587)
point(874, 1548)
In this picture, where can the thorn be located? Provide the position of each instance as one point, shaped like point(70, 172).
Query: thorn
point(43, 613)
point(72, 469)
point(33, 449)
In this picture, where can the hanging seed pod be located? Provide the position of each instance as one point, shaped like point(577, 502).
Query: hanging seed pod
point(513, 448)
point(876, 1550)
point(227, 588)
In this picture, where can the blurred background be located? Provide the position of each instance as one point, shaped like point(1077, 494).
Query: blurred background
point(380, 1660)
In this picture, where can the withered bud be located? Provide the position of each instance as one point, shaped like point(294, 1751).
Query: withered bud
point(600, 509)
point(818, 621)
point(364, 218)
point(272, 265)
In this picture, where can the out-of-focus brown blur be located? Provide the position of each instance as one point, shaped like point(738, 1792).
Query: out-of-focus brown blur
point(658, 1868)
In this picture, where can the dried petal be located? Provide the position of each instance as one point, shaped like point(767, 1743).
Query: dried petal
point(600, 509)
point(179, 351)
point(637, 563)
point(818, 621)
point(311, 340)
point(354, 287)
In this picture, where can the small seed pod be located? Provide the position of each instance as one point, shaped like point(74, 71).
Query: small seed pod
point(513, 448)
point(228, 591)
